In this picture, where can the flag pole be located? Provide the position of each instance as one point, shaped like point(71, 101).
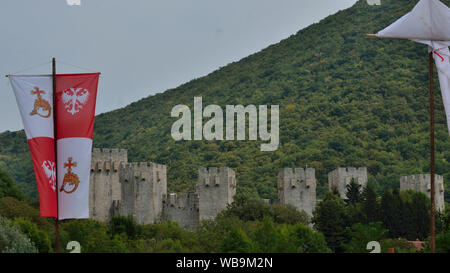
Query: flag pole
point(432, 157)
point(432, 150)
point(56, 154)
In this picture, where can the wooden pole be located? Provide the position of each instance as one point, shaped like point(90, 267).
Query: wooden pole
point(432, 149)
point(56, 160)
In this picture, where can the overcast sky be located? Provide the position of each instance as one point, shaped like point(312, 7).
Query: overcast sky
point(142, 47)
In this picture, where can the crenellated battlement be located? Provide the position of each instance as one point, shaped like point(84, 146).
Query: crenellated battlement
point(181, 200)
point(105, 181)
point(139, 189)
point(422, 183)
point(182, 208)
point(105, 154)
point(297, 187)
point(341, 177)
point(216, 188)
point(216, 176)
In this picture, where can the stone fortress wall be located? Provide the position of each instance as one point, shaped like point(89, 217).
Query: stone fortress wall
point(342, 177)
point(422, 183)
point(297, 187)
point(139, 189)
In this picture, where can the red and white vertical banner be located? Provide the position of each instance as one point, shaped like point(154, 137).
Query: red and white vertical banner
point(76, 96)
point(34, 95)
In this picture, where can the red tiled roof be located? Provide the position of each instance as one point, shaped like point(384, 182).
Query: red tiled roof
point(417, 244)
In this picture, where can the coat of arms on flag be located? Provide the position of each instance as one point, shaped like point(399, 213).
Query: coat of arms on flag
point(50, 171)
point(70, 181)
point(74, 99)
point(63, 183)
point(40, 104)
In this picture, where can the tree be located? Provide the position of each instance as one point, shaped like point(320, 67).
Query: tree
point(419, 205)
point(307, 240)
point(12, 240)
point(406, 214)
point(255, 209)
point(39, 237)
point(370, 205)
point(362, 234)
point(93, 236)
point(248, 209)
point(353, 195)
point(125, 225)
point(12, 208)
point(330, 219)
point(443, 242)
point(236, 241)
point(391, 209)
point(8, 186)
point(269, 238)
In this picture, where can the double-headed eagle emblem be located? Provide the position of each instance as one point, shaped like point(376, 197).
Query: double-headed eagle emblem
point(74, 99)
point(50, 172)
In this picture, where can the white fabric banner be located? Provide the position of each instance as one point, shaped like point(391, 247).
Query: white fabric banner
point(442, 61)
point(428, 23)
point(73, 170)
point(34, 95)
point(429, 20)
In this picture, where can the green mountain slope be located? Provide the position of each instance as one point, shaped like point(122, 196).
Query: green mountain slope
point(8, 187)
point(345, 100)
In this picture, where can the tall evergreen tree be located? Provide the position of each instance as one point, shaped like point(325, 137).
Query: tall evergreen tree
point(420, 204)
point(353, 194)
point(370, 205)
point(405, 214)
point(331, 219)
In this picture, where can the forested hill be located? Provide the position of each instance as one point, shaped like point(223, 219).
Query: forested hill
point(345, 100)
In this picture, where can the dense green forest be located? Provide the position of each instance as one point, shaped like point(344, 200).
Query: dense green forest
point(248, 225)
point(345, 100)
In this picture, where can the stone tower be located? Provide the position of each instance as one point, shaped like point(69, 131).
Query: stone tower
point(297, 187)
point(182, 208)
point(216, 188)
point(104, 185)
point(341, 177)
point(143, 188)
point(422, 183)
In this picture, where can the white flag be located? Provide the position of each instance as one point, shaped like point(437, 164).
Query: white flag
point(442, 61)
point(63, 183)
point(428, 23)
point(76, 96)
point(34, 95)
point(429, 20)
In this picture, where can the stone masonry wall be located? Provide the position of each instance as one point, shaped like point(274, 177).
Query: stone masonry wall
point(341, 177)
point(143, 187)
point(422, 183)
point(297, 187)
point(183, 209)
point(216, 188)
point(104, 181)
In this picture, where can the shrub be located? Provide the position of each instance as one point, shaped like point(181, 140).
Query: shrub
point(12, 240)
